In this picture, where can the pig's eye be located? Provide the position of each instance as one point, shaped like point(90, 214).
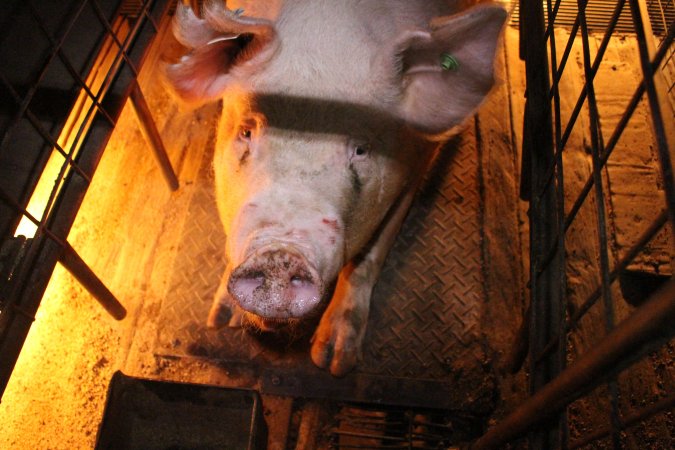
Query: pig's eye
point(360, 150)
point(245, 133)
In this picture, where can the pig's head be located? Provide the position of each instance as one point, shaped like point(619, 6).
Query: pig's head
point(324, 124)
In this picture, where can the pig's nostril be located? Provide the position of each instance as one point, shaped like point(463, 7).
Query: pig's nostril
point(298, 281)
point(258, 276)
point(250, 281)
point(301, 278)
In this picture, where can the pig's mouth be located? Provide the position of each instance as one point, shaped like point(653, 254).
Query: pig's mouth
point(278, 286)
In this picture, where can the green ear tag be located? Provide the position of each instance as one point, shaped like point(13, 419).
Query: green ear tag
point(449, 62)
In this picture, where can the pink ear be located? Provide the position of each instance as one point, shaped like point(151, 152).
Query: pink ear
point(221, 43)
point(448, 70)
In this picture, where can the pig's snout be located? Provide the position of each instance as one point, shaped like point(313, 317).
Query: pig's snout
point(276, 284)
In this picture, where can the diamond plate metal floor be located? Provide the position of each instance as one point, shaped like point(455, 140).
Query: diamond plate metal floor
point(424, 344)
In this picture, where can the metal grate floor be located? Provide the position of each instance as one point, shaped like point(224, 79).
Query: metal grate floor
point(424, 346)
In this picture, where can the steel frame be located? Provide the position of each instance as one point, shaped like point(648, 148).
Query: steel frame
point(553, 386)
point(33, 265)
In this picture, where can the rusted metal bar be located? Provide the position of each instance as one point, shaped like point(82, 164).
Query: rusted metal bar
point(651, 322)
point(152, 136)
point(83, 273)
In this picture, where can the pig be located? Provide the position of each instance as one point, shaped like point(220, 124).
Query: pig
point(332, 111)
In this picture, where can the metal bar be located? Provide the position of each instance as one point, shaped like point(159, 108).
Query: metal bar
point(43, 253)
point(662, 405)
point(152, 136)
point(538, 154)
point(650, 322)
point(552, 14)
point(369, 436)
point(611, 26)
point(560, 309)
point(122, 46)
point(557, 75)
point(385, 446)
point(642, 241)
point(582, 96)
point(81, 131)
point(611, 143)
point(35, 122)
point(66, 62)
point(663, 130)
point(145, 12)
point(81, 271)
point(23, 103)
point(563, 428)
point(18, 208)
point(596, 151)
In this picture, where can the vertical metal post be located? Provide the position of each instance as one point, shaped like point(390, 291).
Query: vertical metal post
point(538, 149)
point(561, 307)
point(152, 135)
point(81, 271)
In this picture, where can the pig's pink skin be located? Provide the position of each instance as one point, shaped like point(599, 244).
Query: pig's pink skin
point(331, 114)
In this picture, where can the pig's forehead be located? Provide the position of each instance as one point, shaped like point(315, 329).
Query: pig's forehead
point(324, 116)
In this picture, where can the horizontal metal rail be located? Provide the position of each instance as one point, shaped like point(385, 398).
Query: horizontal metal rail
point(630, 255)
point(651, 323)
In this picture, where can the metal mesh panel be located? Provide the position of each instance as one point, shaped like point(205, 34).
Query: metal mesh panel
point(68, 68)
point(598, 176)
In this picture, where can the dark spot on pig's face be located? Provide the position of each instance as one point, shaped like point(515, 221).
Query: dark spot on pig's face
point(333, 224)
point(357, 184)
point(246, 139)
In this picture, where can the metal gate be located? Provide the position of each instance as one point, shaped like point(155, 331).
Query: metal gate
point(625, 273)
point(67, 71)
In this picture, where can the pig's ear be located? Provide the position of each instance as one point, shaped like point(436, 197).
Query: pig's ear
point(448, 70)
point(221, 44)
